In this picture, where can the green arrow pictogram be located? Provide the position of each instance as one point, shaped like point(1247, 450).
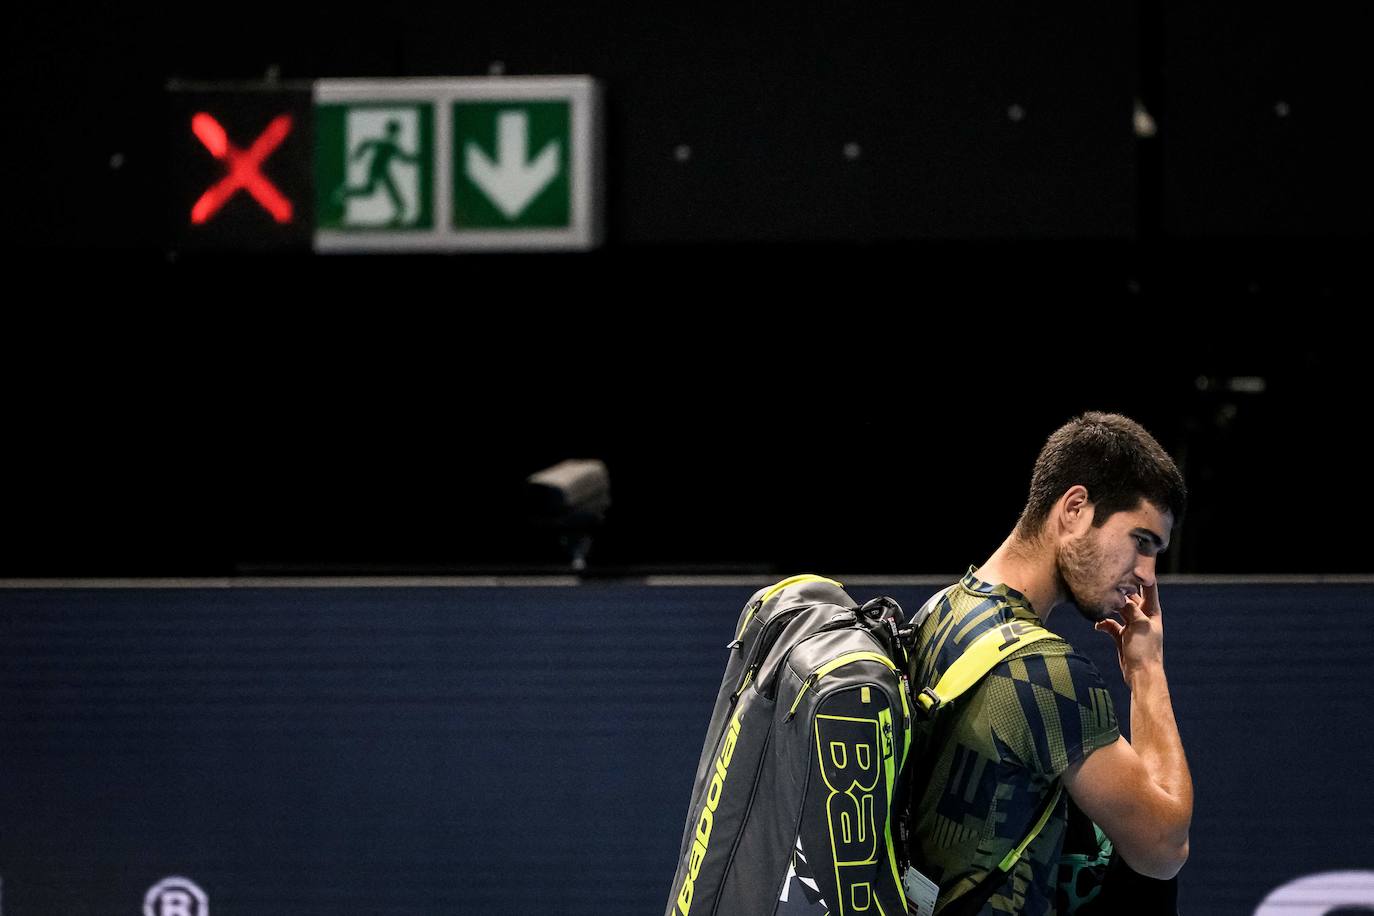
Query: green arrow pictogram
point(512, 181)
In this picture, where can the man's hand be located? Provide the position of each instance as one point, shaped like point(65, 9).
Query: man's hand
point(1140, 793)
point(1140, 640)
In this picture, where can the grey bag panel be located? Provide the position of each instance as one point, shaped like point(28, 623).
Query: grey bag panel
point(797, 632)
point(756, 871)
point(753, 629)
point(820, 647)
point(712, 832)
point(792, 753)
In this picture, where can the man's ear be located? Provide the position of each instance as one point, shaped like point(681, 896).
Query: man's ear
point(1074, 511)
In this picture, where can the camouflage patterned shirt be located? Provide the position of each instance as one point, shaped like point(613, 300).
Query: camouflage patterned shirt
point(989, 762)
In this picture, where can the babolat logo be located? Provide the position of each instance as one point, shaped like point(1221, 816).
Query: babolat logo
point(175, 896)
point(702, 839)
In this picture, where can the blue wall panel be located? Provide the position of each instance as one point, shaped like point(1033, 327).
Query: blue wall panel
point(530, 749)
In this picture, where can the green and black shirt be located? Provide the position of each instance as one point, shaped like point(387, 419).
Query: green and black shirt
point(991, 759)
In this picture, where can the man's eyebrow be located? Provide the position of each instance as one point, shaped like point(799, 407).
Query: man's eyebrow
point(1153, 538)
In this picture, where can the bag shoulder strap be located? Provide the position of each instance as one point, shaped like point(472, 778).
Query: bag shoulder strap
point(973, 902)
point(986, 652)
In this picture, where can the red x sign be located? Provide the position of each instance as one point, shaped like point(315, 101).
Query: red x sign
point(244, 168)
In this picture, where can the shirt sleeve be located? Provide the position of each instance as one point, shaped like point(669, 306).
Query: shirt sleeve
point(1050, 710)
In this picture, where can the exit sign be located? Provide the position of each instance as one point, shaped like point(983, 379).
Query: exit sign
point(423, 165)
point(457, 164)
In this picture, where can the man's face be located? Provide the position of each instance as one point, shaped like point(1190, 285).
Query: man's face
point(1099, 567)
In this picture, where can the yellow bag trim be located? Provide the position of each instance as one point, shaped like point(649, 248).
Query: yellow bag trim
point(831, 665)
point(748, 677)
point(890, 770)
point(796, 580)
point(848, 657)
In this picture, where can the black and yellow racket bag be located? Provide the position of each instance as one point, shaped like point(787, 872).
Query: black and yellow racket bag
point(791, 809)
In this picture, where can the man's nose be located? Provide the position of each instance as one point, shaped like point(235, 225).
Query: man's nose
point(1145, 571)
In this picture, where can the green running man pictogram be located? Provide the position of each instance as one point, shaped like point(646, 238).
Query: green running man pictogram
point(384, 150)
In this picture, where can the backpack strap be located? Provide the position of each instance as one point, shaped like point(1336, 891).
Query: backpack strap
point(1009, 861)
point(986, 652)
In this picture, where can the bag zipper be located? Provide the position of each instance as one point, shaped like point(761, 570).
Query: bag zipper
point(770, 634)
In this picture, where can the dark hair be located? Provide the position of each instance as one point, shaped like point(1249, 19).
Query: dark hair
point(1115, 459)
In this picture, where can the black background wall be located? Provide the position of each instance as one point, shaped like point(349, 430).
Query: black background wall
point(356, 466)
point(1007, 246)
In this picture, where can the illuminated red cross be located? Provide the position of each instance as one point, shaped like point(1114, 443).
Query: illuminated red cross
point(244, 168)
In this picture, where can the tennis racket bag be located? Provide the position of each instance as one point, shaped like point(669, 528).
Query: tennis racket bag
point(791, 809)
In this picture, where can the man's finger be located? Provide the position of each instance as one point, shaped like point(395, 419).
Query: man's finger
point(1152, 599)
point(1110, 627)
point(1133, 611)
